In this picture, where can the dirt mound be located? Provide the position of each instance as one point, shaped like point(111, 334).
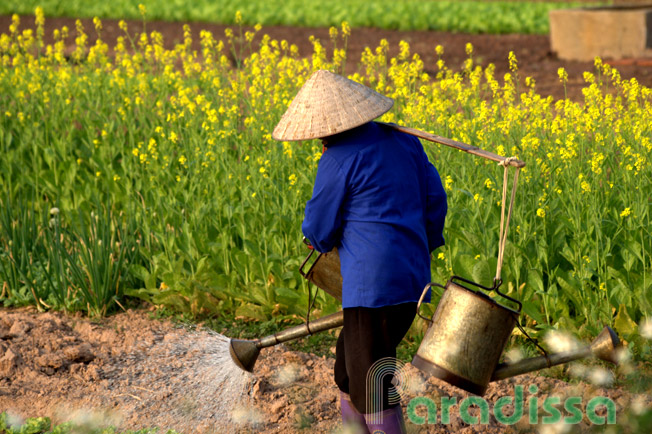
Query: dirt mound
point(128, 370)
point(132, 372)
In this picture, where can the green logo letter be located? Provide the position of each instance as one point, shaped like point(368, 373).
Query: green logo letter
point(569, 406)
point(431, 410)
point(591, 408)
point(549, 407)
point(507, 400)
point(446, 404)
point(533, 405)
point(484, 410)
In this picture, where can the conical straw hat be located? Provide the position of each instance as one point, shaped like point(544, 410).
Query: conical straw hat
point(328, 104)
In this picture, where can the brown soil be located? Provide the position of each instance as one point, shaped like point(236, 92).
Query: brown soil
point(134, 372)
point(533, 52)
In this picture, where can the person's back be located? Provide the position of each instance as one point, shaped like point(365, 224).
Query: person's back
point(375, 181)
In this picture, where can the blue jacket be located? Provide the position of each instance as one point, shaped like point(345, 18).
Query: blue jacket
point(380, 201)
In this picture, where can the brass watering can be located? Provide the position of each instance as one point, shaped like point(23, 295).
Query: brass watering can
point(463, 344)
point(468, 333)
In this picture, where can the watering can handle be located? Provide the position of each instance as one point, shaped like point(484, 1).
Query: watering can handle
point(423, 294)
point(305, 261)
point(307, 242)
point(497, 283)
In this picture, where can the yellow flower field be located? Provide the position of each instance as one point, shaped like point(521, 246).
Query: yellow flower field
point(173, 148)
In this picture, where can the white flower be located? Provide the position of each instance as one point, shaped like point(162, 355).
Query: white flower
point(623, 355)
point(14, 420)
point(577, 370)
point(415, 383)
point(514, 355)
point(600, 377)
point(287, 374)
point(555, 428)
point(244, 415)
point(54, 211)
point(560, 342)
point(645, 328)
point(639, 404)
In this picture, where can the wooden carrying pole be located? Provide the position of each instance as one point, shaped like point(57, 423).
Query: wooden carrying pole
point(457, 145)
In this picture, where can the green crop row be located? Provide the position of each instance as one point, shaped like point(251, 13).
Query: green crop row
point(455, 16)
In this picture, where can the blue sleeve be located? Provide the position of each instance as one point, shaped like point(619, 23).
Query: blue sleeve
point(323, 220)
point(436, 207)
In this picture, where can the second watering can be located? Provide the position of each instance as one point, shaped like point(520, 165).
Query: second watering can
point(466, 336)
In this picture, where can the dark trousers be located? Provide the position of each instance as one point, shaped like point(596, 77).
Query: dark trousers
point(368, 335)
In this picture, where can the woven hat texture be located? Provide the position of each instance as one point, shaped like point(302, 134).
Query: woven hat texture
point(328, 104)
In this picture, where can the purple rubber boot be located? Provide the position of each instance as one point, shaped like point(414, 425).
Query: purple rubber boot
point(352, 419)
point(387, 422)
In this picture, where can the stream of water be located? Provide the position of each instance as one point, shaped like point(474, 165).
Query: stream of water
point(188, 383)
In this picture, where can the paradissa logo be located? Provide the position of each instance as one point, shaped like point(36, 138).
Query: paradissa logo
point(423, 410)
point(551, 405)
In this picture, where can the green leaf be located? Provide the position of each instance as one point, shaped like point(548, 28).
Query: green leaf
point(623, 323)
point(140, 272)
point(535, 281)
point(566, 324)
point(482, 273)
point(473, 240)
point(533, 310)
point(635, 247)
point(251, 311)
point(142, 293)
point(463, 266)
point(36, 425)
point(571, 287)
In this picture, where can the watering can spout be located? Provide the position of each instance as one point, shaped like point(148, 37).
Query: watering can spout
point(245, 352)
point(604, 347)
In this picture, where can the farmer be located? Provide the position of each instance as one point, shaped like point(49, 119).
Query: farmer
point(380, 201)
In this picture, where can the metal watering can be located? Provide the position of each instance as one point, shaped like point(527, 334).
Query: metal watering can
point(463, 344)
point(466, 336)
point(468, 333)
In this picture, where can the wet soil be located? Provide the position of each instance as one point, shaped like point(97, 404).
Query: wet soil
point(533, 52)
point(132, 371)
